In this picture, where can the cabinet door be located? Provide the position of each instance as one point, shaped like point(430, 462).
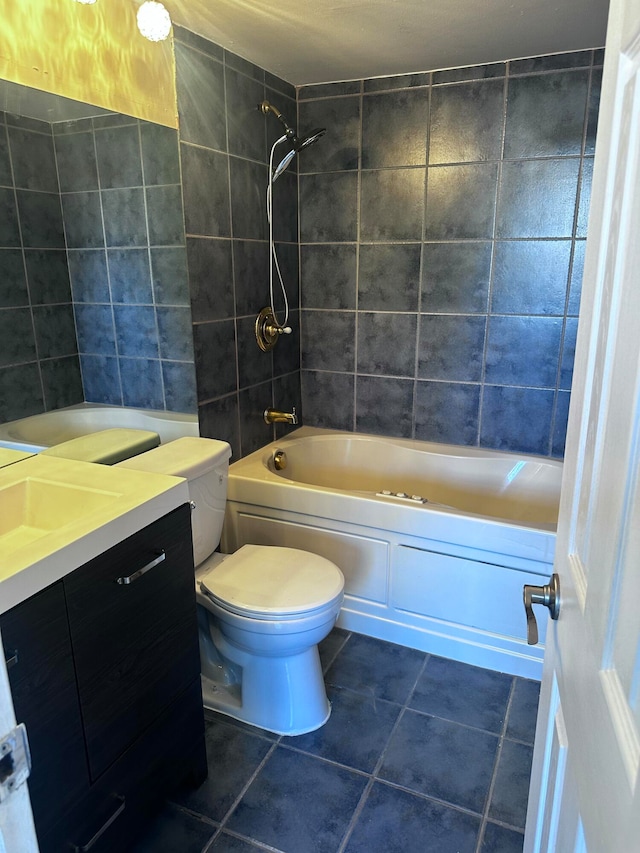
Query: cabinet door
point(134, 634)
point(37, 648)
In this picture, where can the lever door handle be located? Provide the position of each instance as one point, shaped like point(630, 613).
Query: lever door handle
point(549, 595)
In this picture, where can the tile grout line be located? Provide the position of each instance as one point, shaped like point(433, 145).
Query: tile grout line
point(244, 789)
point(487, 805)
point(373, 775)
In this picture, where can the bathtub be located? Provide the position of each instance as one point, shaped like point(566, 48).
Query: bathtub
point(435, 541)
point(37, 432)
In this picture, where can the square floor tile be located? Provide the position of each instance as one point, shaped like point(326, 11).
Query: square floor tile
point(356, 732)
point(521, 724)
point(441, 759)
point(511, 788)
point(174, 830)
point(298, 803)
point(379, 669)
point(394, 821)
point(499, 839)
point(463, 693)
point(233, 756)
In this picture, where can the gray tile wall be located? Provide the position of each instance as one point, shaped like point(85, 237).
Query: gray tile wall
point(94, 301)
point(224, 147)
point(39, 367)
point(122, 209)
point(442, 226)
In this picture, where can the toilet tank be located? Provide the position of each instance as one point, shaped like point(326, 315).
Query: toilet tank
point(204, 463)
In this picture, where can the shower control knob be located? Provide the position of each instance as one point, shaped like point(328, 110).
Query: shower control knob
point(549, 595)
point(286, 330)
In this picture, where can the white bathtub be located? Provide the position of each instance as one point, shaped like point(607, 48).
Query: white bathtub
point(40, 431)
point(444, 574)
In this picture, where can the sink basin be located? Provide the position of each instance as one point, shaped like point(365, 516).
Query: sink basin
point(33, 508)
point(56, 514)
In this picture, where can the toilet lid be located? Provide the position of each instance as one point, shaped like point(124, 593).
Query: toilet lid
point(268, 580)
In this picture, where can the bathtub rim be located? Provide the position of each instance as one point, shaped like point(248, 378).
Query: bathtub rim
point(252, 484)
point(440, 448)
point(10, 436)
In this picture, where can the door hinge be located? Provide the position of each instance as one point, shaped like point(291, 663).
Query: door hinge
point(15, 760)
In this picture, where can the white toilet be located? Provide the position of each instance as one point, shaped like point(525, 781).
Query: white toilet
point(262, 611)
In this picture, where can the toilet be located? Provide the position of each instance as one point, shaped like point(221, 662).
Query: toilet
point(261, 611)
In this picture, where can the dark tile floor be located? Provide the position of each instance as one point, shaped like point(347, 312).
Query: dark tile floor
point(420, 755)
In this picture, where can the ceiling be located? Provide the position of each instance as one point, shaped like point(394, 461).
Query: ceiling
point(318, 41)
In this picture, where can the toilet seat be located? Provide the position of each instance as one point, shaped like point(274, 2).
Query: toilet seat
point(269, 582)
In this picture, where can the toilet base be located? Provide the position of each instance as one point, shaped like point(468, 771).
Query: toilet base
point(284, 696)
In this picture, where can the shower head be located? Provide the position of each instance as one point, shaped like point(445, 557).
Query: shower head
point(297, 142)
point(310, 138)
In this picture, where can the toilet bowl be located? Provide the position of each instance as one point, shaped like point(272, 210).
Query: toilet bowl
point(261, 611)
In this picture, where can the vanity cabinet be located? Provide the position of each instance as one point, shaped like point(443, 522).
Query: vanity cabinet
point(105, 673)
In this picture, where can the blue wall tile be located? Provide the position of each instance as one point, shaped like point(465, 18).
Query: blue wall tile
point(499, 212)
point(129, 275)
point(13, 282)
point(545, 115)
point(339, 148)
point(392, 418)
point(101, 379)
point(328, 208)
point(530, 277)
point(456, 277)
point(447, 412)
point(391, 205)
point(466, 122)
point(451, 347)
point(389, 277)
point(394, 129)
point(537, 198)
point(375, 331)
point(523, 351)
point(329, 271)
point(461, 202)
point(141, 383)
point(340, 327)
point(516, 419)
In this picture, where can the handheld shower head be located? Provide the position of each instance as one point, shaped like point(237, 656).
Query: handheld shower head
point(283, 164)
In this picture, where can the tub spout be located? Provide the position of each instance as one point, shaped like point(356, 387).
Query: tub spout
point(273, 416)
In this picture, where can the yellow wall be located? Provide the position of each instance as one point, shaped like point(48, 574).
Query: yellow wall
point(91, 53)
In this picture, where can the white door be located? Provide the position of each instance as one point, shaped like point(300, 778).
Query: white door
point(17, 834)
point(585, 790)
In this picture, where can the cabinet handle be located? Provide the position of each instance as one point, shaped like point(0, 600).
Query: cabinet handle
point(82, 848)
point(134, 577)
point(12, 660)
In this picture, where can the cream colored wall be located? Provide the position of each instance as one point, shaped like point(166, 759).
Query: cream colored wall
point(92, 53)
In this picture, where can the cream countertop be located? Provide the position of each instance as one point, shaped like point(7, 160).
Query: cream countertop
point(10, 457)
point(56, 514)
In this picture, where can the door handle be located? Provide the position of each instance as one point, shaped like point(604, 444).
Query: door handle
point(549, 595)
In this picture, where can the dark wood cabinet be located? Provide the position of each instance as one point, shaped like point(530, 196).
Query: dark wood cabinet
point(37, 647)
point(107, 681)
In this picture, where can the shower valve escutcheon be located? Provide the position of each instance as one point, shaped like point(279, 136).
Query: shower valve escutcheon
point(268, 331)
point(549, 595)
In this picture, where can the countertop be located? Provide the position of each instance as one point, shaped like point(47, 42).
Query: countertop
point(56, 514)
